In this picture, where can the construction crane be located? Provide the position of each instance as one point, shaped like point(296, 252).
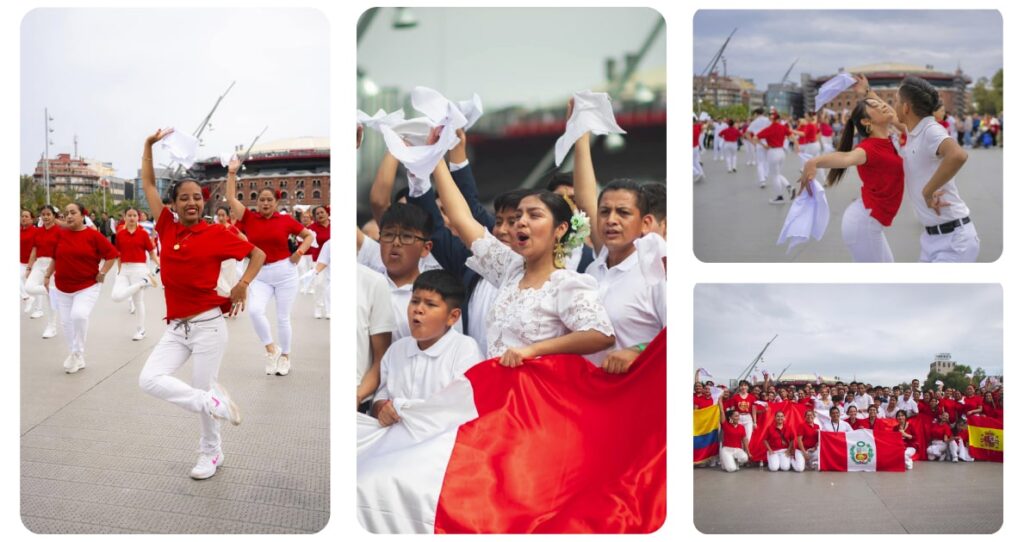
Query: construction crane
point(760, 355)
point(710, 68)
point(789, 71)
point(179, 172)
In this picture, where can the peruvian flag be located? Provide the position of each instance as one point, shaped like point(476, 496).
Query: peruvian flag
point(554, 446)
point(862, 450)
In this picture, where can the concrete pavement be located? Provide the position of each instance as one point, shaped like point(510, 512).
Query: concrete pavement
point(932, 498)
point(100, 456)
point(733, 221)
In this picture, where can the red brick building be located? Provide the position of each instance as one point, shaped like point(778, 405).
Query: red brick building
point(885, 80)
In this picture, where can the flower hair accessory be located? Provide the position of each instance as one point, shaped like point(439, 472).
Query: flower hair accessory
point(579, 227)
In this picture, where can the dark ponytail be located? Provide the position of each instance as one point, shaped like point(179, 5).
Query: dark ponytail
point(846, 140)
point(921, 95)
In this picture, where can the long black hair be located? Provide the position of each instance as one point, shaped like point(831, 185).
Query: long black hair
point(860, 112)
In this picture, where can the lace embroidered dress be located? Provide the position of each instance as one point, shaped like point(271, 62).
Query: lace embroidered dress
point(567, 302)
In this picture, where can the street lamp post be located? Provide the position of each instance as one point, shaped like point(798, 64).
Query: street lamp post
point(46, 152)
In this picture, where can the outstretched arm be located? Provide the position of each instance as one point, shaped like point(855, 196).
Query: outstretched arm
point(237, 208)
point(383, 184)
point(455, 206)
point(832, 160)
point(149, 175)
point(584, 181)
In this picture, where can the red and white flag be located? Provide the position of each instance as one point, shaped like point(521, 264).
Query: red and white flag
point(862, 450)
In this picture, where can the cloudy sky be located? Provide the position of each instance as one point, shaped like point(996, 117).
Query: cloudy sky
point(767, 42)
point(113, 76)
point(886, 334)
point(528, 56)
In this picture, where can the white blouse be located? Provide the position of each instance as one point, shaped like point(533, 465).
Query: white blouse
point(567, 302)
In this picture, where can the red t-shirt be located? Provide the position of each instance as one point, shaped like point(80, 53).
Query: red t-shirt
point(696, 134)
point(700, 401)
point(77, 258)
point(190, 273)
point(940, 431)
point(28, 234)
point(882, 176)
point(860, 423)
point(907, 442)
point(991, 411)
point(45, 240)
point(742, 405)
point(972, 403)
point(809, 432)
point(323, 234)
point(775, 135)
point(133, 246)
point(807, 401)
point(810, 134)
point(270, 234)
point(778, 439)
point(732, 437)
point(826, 129)
point(731, 134)
point(952, 407)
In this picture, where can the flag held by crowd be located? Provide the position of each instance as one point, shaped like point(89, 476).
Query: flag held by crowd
point(986, 438)
point(706, 425)
point(862, 450)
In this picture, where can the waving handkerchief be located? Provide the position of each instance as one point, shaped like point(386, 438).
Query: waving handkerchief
point(807, 217)
point(380, 118)
point(832, 88)
point(591, 112)
point(472, 109)
point(182, 147)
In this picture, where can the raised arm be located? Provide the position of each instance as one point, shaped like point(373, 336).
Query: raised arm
point(156, 203)
point(383, 184)
point(231, 187)
point(459, 215)
point(584, 181)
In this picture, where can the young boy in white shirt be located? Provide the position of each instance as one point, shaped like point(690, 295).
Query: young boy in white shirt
point(433, 356)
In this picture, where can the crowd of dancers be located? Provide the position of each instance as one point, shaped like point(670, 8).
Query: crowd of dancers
point(212, 264)
point(912, 144)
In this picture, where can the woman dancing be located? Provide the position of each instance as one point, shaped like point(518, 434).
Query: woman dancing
point(190, 263)
point(321, 228)
point(43, 242)
point(33, 303)
point(278, 279)
point(134, 246)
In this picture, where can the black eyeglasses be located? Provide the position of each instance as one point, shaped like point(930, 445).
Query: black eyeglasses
point(403, 238)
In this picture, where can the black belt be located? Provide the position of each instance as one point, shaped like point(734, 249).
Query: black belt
point(948, 226)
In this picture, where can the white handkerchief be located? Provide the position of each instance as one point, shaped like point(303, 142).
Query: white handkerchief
point(807, 217)
point(832, 88)
point(472, 109)
point(417, 186)
point(413, 131)
point(420, 158)
point(591, 112)
point(225, 158)
point(182, 147)
point(380, 118)
point(651, 250)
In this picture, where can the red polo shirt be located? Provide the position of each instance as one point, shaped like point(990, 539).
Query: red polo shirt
point(77, 258)
point(809, 432)
point(810, 134)
point(270, 234)
point(701, 401)
point(940, 431)
point(697, 128)
point(28, 234)
point(190, 273)
point(323, 234)
point(775, 135)
point(133, 246)
point(732, 436)
point(731, 134)
point(778, 439)
point(45, 240)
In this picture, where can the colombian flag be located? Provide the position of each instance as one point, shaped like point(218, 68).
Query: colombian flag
point(706, 423)
point(986, 438)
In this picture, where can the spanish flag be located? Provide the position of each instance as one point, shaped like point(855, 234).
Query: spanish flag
point(986, 438)
point(706, 423)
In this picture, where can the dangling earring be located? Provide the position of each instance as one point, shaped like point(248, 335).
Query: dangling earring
point(868, 130)
point(559, 256)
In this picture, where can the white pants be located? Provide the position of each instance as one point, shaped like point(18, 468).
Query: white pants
point(938, 451)
point(779, 460)
point(960, 449)
point(748, 153)
point(74, 314)
point(864, 236)
point(306, 263)
point(698, 170)
point(826, 144)
point(205, 343)
point(775, 158)
point(908, 457)
point(37, 300)
point(34, 286)
point(808, 151)
point(322, 290)
point(718, 147)
point(747, 421)
point(761, 155)
point(799, 463)
point(129, 284)
point(732, 458)
point(959, 245)
point(279, 280)
point(730, 148)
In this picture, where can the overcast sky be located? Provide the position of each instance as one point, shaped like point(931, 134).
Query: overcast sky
point(113, 76)
point(528, 56)
point(886, 334)
point(767, 42)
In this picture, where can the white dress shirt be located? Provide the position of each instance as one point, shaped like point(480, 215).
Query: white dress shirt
point(910, 406)
point(832, 427)
point(409, 375)
point(374, 315)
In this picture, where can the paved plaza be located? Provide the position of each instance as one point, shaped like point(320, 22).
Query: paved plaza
point(733, 221)
point(100, 456)
point(932, 498)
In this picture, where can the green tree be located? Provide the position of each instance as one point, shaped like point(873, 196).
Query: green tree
point(988, 94)
point(957, 379)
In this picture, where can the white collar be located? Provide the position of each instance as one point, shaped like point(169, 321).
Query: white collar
point(921, 125)
point(434, 351)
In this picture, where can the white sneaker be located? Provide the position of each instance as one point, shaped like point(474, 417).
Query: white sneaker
point(50, 331)
point(327, 316)
point(271, 358)
point(221, 406)
point(139, 334)
point(77, 363)
point(318, 313)
point(36, 314)
point(284, 365)
point(28, 304)
point(956, 459)
point(69, 362)
point(207, 465)
point(151, 281)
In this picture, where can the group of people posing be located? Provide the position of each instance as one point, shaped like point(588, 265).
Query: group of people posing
point(911, 145)
point(208, 269)
point(842, 408)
